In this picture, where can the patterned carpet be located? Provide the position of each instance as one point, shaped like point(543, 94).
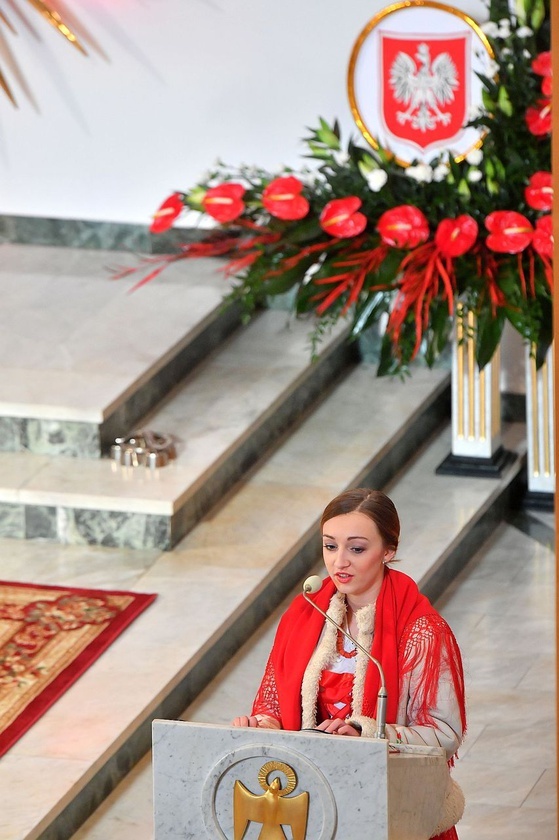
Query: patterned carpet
point(49, 636)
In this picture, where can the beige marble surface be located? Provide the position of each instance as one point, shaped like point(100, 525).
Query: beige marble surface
point(74, 342)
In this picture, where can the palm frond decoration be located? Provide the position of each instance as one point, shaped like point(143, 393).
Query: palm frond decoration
point(54, 18)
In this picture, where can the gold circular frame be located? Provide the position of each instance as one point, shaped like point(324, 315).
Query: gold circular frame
point(364, 34)
point(288, 772)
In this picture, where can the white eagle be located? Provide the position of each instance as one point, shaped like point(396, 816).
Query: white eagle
point(423, 87)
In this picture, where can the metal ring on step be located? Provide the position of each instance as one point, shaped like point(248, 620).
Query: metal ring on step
point(146, 448)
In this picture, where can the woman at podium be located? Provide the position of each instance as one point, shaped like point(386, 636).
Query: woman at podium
point(316, 677)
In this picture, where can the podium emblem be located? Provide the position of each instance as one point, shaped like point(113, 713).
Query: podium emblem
point(273, 808)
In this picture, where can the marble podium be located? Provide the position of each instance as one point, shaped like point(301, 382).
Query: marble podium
point(224, 783)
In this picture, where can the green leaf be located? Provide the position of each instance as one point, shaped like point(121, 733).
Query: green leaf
point(367, 314)
point(538, 15)
point(318, 151)
point(463, 188)
point(504, 102)
point(287, 279)
point(488, 103)
point(387, 364)
point(195, 197)
point(545, 337)
point(438, 333)
point(488, 335)
point(306, 230)
point(389, 269)
point(327, 136)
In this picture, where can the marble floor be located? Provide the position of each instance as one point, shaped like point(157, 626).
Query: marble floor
point(502, 608)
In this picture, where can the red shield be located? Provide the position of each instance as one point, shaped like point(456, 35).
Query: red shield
point(425, 87)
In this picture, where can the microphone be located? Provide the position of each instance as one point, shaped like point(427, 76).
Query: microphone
point(310, 587)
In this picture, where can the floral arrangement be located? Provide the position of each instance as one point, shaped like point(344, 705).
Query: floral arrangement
point(363, 237)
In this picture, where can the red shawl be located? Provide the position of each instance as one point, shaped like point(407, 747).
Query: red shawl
point(399, 605)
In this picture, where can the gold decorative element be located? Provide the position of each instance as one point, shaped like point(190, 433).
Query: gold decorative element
point(271, 809)
point(460, 365)
point(471, 378)
point(288, 771)
point(546, 428)
point(541, 432)
point(476, 394)
point(535, 424)
point(466, 357)
point(49, 14)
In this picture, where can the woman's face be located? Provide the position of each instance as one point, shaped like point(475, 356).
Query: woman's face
point(354, 554)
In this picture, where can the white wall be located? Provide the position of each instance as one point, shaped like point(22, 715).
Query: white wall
point(168, 86)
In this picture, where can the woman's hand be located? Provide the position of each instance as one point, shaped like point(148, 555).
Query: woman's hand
point(336, 726)
point(244, 720)
point(259, 721)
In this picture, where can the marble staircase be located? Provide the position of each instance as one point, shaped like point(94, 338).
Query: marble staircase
point(83, 358)
point(222, 392)
point(267, 439)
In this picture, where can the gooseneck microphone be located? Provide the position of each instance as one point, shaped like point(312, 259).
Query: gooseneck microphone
point(310, 587)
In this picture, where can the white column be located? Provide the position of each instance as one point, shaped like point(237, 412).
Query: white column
point(476, 398)
point(540, 424)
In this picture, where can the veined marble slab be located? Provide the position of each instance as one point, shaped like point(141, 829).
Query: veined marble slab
point(74, 342)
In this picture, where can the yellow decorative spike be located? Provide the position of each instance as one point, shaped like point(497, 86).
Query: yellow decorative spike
point(55, 20)
point(5, 20)
point(6, 88)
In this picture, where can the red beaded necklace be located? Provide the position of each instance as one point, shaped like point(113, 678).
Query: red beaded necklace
point(348, 654)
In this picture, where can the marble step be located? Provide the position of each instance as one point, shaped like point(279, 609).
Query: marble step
point(82, 358)
point(218, 584)
point(223, 417)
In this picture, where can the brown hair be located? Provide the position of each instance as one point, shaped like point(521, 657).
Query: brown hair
point(374, 504)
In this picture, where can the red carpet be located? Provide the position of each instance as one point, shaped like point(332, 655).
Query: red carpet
point(49, 635)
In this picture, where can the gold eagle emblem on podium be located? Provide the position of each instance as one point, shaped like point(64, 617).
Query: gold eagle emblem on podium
point(271, 808)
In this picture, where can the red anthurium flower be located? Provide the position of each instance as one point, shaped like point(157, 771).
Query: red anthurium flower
point(282, 198)
point(538, 118)
point(543, 237)
point(547, 86)
point(539, 192)
point(164, 217)
point(340, 218)
point(456, 236)
point(542, 64)
point(404, 226)
point(224, 203)
point(509, 232)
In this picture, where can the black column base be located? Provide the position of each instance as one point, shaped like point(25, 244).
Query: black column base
point(462, 465)
point(539, 501)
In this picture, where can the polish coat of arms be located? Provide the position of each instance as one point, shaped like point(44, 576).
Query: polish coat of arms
point(424, 88)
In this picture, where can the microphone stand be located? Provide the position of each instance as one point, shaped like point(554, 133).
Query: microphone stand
point(382, 696)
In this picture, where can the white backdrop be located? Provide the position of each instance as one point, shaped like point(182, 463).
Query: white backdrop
point(167, 87)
